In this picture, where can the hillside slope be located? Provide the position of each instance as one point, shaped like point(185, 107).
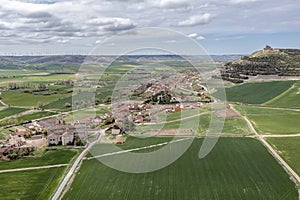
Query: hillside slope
point(269, 61)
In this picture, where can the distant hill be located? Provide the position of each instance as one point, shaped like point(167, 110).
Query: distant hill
point(269, 61)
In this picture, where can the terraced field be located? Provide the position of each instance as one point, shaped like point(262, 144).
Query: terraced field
point(272, 121)
point(237, 168)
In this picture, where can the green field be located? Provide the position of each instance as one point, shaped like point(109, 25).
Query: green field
point(237, 168)
point(131, 143)
point(256, 93)
point(272, 121)
point(28, 185)
point(288, 148)
point(60, 156)
point(10, 111)
point(19, 98)
point(26, 118)
point(288, 99)
point(235, 125)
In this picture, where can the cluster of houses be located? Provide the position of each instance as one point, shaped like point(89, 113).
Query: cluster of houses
point(17, 143)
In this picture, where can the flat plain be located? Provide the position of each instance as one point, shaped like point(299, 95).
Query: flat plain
point(239, 168)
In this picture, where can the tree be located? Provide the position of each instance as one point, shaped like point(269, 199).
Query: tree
point(40, 105)
point(127, 126)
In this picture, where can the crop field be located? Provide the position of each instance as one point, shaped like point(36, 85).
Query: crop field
point(237, 168)
point(60, 156)
point(28, 185)
point(19, 98)
point(10, 111)
point(235, 125)
point(288, 148)
point(23, 77)
point(26, 118)
point(256, 93)
point(131, 143)
point(288, 99)
point(272, 121)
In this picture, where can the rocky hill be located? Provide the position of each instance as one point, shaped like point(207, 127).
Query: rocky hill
point(269, 61)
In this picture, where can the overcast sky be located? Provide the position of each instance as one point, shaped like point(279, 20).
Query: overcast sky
point(77, 26)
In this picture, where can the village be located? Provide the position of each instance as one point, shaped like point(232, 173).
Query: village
point(165, 94)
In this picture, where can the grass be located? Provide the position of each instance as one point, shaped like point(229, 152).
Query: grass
point(288, 148)
point(256, 93)
point(272, 121)
point(10, 111)
point(34, 184)
point(60, 156)
point(237, 168)
point(19, 98)
point(288, 99)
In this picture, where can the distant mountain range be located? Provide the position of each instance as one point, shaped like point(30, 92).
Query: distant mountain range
point(55, 61)
point(269, 61)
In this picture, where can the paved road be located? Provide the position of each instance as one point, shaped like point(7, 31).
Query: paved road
point(32, 168)
point(68, 176)
point(269, 147)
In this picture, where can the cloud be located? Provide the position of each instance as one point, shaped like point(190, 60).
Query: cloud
point(196, 20)
point(196, 36)
point(113, 24)
point(242, 1)
point(63, 41)
point(170, 4)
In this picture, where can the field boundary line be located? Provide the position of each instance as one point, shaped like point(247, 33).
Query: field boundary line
point(135, 149)
point(32, 168)
point(273, 152)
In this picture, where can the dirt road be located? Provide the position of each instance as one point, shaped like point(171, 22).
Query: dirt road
point(32, 168)
point(270, 148)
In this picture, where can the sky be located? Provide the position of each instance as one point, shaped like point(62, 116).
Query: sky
point(36, 27)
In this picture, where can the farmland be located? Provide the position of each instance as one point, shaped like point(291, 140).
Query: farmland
point(256, 93)
point(60, 156)
point(10, 111)
point(272, 121)
point(288, 99)
point(235, 125)
point(288, 148)
point(26, 118)
point(19, 98)
point(27, 185)
point(246, 172)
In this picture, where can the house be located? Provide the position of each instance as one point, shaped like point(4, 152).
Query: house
point(54, 139)
point(115, 132)
point(67, 138)
point(3, 150)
